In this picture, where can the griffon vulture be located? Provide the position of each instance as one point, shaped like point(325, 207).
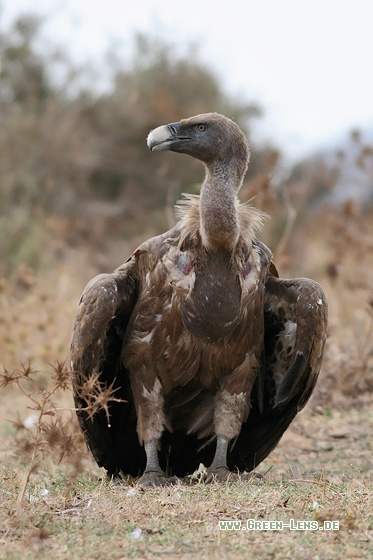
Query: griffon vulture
point(210, 355)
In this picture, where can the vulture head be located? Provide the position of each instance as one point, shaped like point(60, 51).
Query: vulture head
point(212, 138)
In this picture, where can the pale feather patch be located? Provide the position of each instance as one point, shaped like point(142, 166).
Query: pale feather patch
point(148, 337)
point(229, 413)
point(187, 210)
point(151, 418)
point(176, 276)
point(251, 280)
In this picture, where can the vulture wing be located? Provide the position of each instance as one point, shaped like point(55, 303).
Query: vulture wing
point(295, 334)
point(100, 327)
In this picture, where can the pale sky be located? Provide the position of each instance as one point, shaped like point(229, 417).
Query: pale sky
point(308, 63)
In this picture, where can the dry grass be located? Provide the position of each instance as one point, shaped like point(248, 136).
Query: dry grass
point(320, 471)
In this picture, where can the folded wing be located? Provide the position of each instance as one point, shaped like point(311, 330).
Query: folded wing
point(295, 334)
point(102, 394)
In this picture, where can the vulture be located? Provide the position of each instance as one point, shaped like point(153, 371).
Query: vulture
point(206, 353)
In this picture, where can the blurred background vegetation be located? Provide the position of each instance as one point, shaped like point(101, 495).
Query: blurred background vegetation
point(74, 162)
point(79, 190)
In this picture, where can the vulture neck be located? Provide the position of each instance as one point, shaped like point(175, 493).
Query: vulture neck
point(218, 206)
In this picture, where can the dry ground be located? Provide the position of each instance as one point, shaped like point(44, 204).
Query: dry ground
point(322, 470)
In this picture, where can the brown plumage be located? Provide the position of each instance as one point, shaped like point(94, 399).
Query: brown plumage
point(210, 353)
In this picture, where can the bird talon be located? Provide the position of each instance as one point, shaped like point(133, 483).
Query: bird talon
point(223, 474)
point(246, 476)
point(220, 474)
point(154, 480)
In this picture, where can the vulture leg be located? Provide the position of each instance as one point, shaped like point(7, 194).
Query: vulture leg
point(229, 414)
point(218, 470)
point(149, 403)
point(153, 474)
point(231, 410)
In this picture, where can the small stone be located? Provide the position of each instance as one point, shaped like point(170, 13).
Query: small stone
point(353, 552)
point(339, 433)
point(136, 534)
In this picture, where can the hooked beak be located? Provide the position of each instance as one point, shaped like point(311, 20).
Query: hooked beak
point(165, 137)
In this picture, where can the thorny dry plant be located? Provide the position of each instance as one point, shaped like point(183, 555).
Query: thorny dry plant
point(53, 434)
point(97, 397)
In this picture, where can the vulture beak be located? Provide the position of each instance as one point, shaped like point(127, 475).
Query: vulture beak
point(165, 137)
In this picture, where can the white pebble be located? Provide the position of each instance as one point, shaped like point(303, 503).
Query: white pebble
point(136, 534)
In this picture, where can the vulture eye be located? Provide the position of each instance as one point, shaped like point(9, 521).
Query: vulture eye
point(201, 127)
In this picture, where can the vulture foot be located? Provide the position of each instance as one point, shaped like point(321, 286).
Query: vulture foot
point(221, 474)
point(154, 479)
point(250, 475)
point(153, 475)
